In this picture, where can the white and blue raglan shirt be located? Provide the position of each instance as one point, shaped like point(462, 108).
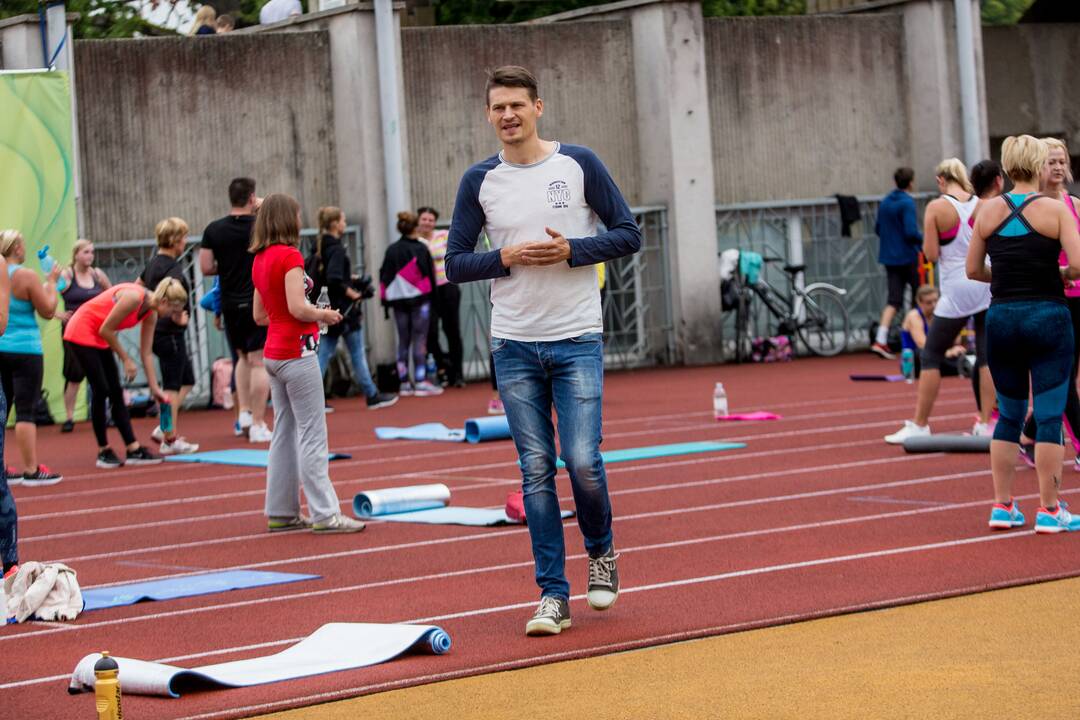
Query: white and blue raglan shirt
point(568, 191)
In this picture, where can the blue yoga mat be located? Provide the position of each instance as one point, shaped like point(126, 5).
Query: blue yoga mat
point(187, 586)
point(483, 429)
point(249, 458)
point(426, 431)
point(659, 451)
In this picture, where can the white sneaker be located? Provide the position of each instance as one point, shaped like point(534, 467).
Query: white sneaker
point(981, 429)
point(179, 446)
point(910, 429)
point(260, 434)
point(242, 424)
point(157, 435)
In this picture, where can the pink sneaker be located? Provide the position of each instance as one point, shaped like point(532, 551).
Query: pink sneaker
point(495, 407)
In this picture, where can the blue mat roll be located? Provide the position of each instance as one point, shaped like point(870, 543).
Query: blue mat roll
point(185, 586)
point(660, 451)
point(246, 457)
point(483, 429)
point(438, 640)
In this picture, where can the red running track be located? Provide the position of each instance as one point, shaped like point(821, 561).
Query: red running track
point(816, 516)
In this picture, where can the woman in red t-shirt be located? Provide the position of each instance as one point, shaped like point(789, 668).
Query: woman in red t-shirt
point(298, 450)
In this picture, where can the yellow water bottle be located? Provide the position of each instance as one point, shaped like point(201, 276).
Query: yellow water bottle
point(107, 688)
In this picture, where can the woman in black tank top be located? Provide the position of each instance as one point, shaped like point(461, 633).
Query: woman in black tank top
point(84, 282)
point(1028, 328)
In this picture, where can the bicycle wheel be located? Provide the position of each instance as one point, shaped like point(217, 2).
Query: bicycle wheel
point(825, 329)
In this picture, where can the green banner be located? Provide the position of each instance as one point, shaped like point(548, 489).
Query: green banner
point(37, 186)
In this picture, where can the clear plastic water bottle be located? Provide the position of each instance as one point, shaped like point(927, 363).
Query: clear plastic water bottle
point(432, 368)
point(48, 262)
point(323, 303)
point(907, 364)
point(719, 401)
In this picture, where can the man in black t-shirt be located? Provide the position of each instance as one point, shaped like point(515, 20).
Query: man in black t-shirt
point(224, 252)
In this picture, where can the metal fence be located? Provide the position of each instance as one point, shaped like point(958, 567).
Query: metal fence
point(850, 262)
point(638, 326)
point(124, 262)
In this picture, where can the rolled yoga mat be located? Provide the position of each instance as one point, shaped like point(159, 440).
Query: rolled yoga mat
point(399, 500)
point(948, 443)
point(331, 648)
point(483, 429)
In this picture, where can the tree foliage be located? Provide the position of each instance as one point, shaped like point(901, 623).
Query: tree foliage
point(1003, 12)
point(471, 12)
point(97, 18)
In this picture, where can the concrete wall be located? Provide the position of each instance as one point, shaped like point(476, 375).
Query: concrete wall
point(1029, 70)
point(806, 106)
point(586, 81)
point(166, 123)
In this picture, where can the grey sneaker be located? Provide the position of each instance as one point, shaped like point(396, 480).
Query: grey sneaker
point(550, 618)
point(337, 524)
point(603, 580)
point(381, 400)
point(285, 524)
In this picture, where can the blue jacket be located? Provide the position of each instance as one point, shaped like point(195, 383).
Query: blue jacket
point(898, 230)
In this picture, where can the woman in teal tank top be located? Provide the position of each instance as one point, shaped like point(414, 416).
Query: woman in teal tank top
point(21, 360)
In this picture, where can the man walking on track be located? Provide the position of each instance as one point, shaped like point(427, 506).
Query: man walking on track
point(539, 202)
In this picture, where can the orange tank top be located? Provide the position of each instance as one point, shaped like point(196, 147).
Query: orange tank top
point(84, 327)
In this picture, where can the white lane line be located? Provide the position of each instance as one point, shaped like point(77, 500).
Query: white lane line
point(632, 549)
point(257, 473)
point(682, 582)
point(486, 485)
point(607, 648)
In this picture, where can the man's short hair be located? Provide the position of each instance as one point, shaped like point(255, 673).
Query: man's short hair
point(513, 76)
point(903, 177)
point(240, 191)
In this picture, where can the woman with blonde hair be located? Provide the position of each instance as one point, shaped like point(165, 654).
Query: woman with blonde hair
point(94, 332)
point(205, 20)
point(82, 281)
point(22, 362)
point(946, 233)
point(1056, 176)
point(298, 449)
point(170, 342)
point(1029, 331)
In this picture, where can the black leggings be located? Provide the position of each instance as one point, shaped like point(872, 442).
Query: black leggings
point(446, 311)
point(1072, 401)
point(104, 379)
point(21, 377)
point(942, 335)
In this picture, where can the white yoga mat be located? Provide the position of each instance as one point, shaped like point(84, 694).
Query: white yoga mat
point(374, 503)
point(331, 648)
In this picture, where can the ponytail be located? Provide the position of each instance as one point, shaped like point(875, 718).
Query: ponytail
point(169, 290)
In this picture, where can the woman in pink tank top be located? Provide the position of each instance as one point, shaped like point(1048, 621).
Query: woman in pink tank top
point(1055, 179)
point(93, 332)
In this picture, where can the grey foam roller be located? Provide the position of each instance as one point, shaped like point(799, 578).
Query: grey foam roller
point(947, 443)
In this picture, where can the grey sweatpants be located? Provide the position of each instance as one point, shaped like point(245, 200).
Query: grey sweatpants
point(298, 450)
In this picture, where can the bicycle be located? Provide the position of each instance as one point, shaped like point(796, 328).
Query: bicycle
point(816, 314)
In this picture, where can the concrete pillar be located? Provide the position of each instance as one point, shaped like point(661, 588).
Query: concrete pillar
point(676, 165)
point(933, 86)
point(20, 43)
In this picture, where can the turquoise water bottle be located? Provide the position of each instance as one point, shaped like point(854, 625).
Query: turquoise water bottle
point(48, 262)
point(907, 364)
point(165, 418)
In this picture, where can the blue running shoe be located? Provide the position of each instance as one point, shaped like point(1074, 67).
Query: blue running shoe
point(1006, 517)
point(1060, 521)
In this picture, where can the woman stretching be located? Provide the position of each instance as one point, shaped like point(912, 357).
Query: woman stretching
point(1054, 179)
point(946, 233)
point(407, 282)
point(1029, 331)
point(93, 332)
point(82, 282)
point(298, 449)
point(22, 362)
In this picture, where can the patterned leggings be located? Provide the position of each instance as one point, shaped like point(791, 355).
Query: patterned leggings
point(9, 518)
point(412, 331)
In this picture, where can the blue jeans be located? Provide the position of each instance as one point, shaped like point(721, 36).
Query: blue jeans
point(568, 374)
point(354, 341)
point(9, 518)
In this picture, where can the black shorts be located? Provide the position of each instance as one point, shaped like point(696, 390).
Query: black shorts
point(172, 355)
point(21, 375)
point(73, 371)
point(899, 277)
point(240, 329)
point(942, 335)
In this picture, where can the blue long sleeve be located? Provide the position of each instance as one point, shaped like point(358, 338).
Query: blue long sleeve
point(912, 233)
point(623, 236)
point(462, 262)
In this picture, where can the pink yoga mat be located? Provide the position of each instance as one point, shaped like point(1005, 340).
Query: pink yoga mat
point(756, 415)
